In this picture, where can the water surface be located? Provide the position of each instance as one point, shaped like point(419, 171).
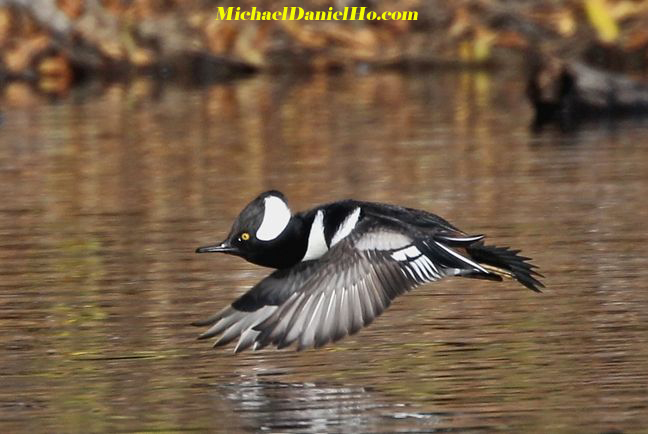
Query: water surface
point(106, 193)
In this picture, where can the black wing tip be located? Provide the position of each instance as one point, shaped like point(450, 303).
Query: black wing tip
point(200, 323)
point(533, 284)
point(509, 259)
point(281, 345)
point(525, 273)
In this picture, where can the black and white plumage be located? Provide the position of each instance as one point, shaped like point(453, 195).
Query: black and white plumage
point(340, 265)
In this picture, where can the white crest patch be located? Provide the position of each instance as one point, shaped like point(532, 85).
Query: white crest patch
point(346, 227)
point(316, 241)
point(276, 217)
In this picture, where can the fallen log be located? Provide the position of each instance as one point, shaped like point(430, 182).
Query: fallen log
point(570, 92)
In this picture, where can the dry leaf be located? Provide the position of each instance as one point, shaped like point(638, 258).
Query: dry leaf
point(600, 16)
point(20, 58)
point(71, 8)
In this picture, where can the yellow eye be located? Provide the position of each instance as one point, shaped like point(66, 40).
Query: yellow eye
point(245, 236)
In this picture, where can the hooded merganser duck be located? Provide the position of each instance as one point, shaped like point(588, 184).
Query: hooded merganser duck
point(339, 266)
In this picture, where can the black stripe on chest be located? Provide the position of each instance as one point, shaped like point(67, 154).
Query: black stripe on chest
point(334, 216)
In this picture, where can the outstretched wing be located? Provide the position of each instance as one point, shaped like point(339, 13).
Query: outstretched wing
point(355, 282)
point(324, 300)
point(255, 306)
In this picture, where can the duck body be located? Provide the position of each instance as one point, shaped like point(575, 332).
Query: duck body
point(339, 265)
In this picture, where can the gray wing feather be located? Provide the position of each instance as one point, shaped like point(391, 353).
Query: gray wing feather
point(254, 307)
point(350, 289)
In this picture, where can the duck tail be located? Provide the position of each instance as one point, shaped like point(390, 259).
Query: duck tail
point(506, 263)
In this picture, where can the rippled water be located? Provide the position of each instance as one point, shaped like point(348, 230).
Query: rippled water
point(106, 194)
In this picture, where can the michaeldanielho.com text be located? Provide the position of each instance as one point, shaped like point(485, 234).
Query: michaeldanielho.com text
point(296, 13)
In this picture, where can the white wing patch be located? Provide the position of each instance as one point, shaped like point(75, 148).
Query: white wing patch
point(316, 241)
point(380, 240)
point(276, 217)
point(407, 253)
point(417, 265)
point(346, 227)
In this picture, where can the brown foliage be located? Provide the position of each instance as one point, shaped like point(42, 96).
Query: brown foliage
point(127, 36)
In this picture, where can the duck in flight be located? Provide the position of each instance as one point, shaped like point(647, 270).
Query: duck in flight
point(339, 266)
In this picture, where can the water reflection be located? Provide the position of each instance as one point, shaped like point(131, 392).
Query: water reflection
point(308, 407)
point(105, 196)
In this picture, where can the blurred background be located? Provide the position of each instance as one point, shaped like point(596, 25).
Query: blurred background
point(132, 132)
